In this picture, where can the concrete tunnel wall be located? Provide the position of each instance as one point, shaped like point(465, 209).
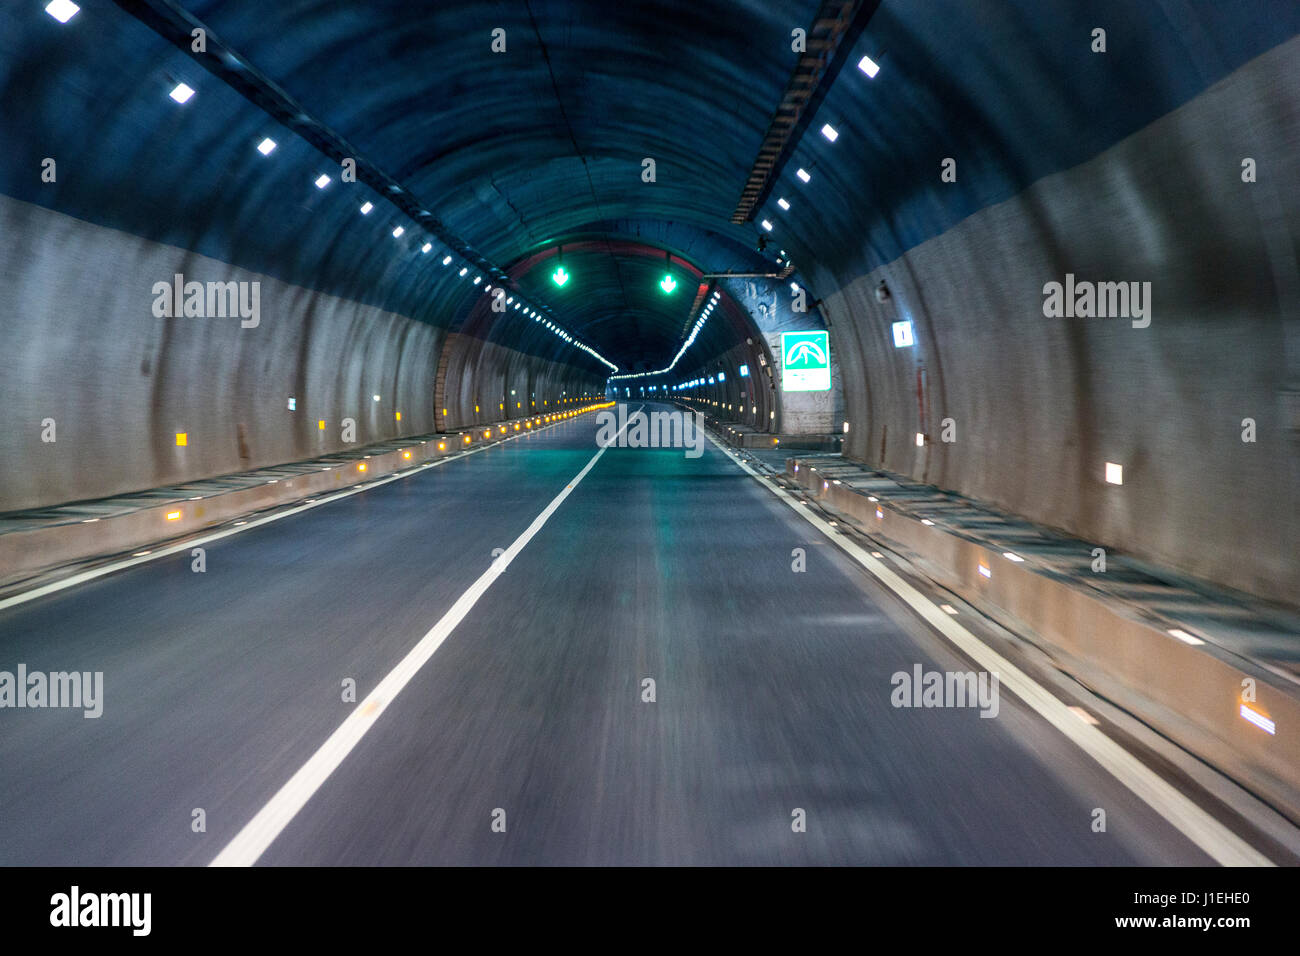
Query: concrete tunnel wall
point(1041, 404)
point(79, 344)
point(747, 400)
point(479, 376)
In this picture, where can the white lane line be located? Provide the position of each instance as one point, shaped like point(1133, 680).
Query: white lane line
point(82, 577)
point(260, 832)
point(1200, 827)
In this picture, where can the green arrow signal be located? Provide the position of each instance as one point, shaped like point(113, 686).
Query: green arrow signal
point(668, 283)
point(559, 276)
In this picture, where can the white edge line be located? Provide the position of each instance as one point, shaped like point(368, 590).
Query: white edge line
point(1224, 846)
point(82, 577)
point(260, 832)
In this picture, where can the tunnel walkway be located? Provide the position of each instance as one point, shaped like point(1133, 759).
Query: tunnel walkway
point(1257, 632)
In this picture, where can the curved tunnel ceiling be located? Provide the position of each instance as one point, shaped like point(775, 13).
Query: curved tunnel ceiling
point(516, 153)
point(528, 150)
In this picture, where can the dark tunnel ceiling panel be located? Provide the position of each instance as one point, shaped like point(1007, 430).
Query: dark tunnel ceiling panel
point(518, 151)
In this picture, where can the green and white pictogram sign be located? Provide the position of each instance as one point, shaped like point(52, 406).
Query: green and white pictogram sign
point(806, 357)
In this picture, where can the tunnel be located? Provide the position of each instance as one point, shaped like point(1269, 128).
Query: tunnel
point(742, 433)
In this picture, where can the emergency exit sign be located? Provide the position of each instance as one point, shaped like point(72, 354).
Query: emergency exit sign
point(806, 357)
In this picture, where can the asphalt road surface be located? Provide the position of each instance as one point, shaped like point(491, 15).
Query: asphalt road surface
point(772, 692)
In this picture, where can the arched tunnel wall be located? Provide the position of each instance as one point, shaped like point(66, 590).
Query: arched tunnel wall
point(80, 344)
point(1040, 404)
point(486, 381)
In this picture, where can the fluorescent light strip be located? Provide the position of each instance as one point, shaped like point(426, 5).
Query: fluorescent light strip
point(1258, 719)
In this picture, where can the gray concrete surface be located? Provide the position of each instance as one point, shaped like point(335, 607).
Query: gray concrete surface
point(1041, 404)
point(81, 346)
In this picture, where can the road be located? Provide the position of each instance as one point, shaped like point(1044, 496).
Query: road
point(772, 692)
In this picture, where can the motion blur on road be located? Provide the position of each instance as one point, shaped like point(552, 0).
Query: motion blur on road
point(744, 432)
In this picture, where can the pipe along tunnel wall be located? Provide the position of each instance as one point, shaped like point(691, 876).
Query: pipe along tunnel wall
point(80, 344)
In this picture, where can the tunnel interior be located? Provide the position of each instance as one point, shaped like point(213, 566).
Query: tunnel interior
point(1052, 249)
point(493, 145)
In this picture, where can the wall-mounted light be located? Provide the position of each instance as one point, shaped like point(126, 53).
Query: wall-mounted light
point(62, 10)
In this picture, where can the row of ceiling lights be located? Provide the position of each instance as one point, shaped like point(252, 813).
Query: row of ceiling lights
point(690, 339)
point(65, 10)
point(870, 68)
